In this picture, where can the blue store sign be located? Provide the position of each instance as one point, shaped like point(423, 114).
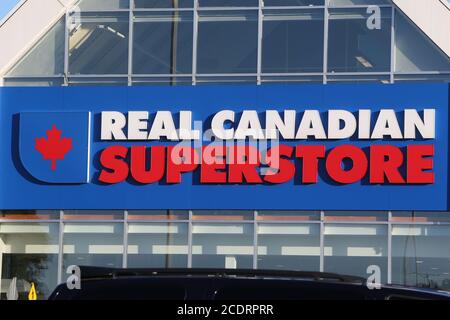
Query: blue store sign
point(286, 147)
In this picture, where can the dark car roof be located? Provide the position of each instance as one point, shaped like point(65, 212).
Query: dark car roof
point(225, 284)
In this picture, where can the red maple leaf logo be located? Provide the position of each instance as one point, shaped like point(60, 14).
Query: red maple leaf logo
point(54, 148)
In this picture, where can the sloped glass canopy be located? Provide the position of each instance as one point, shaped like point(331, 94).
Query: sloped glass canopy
point(414, 51)
point(98, 45)
point(46, 57)
point(85, 5)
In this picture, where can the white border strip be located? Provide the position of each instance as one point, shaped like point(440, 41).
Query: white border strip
point(89, 149)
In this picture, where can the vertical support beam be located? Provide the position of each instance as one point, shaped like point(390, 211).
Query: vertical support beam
point(66, 48)
point(393, 54)
point(130, 43)
point(190, 240)
point(325, 42)
point(255, 240)
point(2, 249)
point(322, 246)
point(174, 43)
point(60, 246)
point(194, 43)
point(125, 240)
point(260, 39)
point(389, 253)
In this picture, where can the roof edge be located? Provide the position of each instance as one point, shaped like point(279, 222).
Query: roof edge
point(12, 12)
point(25, 24)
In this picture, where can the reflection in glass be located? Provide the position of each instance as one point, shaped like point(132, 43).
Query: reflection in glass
point(85, 5)
point(157, 245)
point(353, 47)
point(226, 245)
point(276, 3)
point(46, 57)
point(93, 214)
point(33, 82)
point(228, 3)
point(414, 51)
point(29, 215)
point(93, 244)
point(288, 215)
point(99, 45)
point(352, 248)
point(360, 78)
point(224, 215)
point(356, 215)
point(421, 256)
point(163, 3)
point(29, 253)
point(97, 81)
point(337, 3)
point(227, 43)
point(293, 42)
point(289, 246)
point(163, 44)
point(158, 215)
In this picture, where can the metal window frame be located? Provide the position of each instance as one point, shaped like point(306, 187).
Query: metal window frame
point(254, 221)
point(196, 9)
point(326, 17)
point(130, 42)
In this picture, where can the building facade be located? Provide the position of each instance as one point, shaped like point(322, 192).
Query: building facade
point(161, 43)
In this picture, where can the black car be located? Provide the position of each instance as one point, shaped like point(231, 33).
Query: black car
point(217, 284)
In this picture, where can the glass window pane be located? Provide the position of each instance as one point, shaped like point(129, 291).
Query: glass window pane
point(289, 246)
point(222, 245)
point(421, 256)
point(157, 245)
point(29, 253)
point(268, 215)
point(418, 78)
point(228, 44)
point(93, 214)
point(93, 244)
point(414, 50)
point(228, 3)
point(418, 216)
point(162, 44)
point(97, 81)
point(46, 57)
point(360, 78)
point(225, 80)
point(164, 3)
point(158, 215)
point(337, 3)
point(356, 215)
point(99, 45)
point(293, 42)
point(165, 81)
point(289, 79)
point(33, 82)
point(222, 215)
point(350, 248)
point(276, 3)
point(29, 215)
point(353, 47)
point(102, 4)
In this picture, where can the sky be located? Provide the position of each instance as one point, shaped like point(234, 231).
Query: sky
point(5, 6)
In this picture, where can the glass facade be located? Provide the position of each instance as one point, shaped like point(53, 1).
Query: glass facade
point(189, 42)
point(196, 42)
point(410, 248)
